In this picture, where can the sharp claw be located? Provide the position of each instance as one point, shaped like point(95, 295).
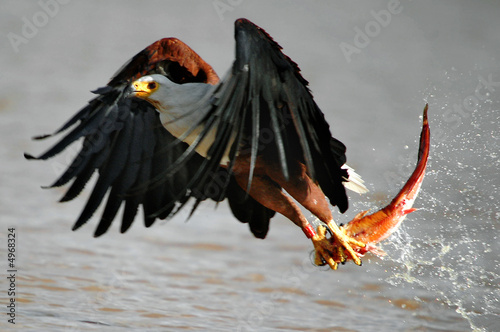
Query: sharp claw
point(342, 254)
point(333, 265)
point(334, 250)
point(344, 243)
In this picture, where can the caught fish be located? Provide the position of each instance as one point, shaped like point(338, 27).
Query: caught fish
point(374, 228)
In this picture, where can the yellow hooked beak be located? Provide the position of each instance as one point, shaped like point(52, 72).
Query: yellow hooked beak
point(144, 89)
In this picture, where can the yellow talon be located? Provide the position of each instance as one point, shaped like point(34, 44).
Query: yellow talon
point(345, 243)
point(333, 251)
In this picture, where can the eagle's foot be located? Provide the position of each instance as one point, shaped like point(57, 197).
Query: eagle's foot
point(335, 250)
point(325, 252)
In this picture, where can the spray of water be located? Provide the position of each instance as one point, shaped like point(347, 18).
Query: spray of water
point(454, 244)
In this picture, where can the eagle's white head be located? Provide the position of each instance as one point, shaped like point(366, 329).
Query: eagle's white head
point(181, 106)
point(156, 89)
point(170, 97)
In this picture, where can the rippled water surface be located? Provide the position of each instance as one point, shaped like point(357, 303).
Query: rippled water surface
point(210, 274)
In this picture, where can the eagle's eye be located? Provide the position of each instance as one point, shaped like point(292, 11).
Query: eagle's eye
point(152, 85)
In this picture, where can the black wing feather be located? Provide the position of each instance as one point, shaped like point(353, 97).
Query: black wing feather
point(268, 84)
point(138, 162)
point(126, 145)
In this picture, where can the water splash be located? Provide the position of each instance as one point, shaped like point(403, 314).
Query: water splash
point(451, 270)
point(453, 248)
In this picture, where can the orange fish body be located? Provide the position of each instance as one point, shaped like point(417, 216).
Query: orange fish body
point(374, 228)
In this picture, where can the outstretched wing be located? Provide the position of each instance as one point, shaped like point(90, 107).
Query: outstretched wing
point(126, 144)
point(264, 109)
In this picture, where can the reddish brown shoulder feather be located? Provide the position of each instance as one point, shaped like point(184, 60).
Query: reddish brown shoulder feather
point(167, 56)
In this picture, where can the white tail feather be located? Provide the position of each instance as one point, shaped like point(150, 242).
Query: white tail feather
point(354, 181)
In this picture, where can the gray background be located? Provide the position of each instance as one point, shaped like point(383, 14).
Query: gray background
point(210, 273)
